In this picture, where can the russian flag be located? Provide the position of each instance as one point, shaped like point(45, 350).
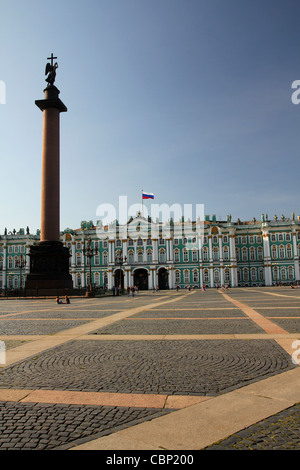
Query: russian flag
point(148, 195)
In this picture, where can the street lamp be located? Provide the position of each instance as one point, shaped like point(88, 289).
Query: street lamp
point(21, 265)
point(119, 260)
point(90, 252)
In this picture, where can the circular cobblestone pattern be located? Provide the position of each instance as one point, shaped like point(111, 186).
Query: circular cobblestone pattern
point(207, 367)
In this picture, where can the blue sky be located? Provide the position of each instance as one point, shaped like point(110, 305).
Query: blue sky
point(188, 99)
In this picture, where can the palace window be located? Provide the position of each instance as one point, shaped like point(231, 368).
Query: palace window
point(280, 237)
point(246, 275)
point(78, 245)
point(130, 257)
point(258, 239)
point(140, 256)
point(177, 277)
point(251, 239)
point(244, 240)
point(140, 242)
point(205, 254)
point(288, 237)
point(281, 251)
point(162, 255)
point(216, 276)
point(186, 276)
point(215, 239)
point(185, 255)
point(289, 251)
point(252, 253)
point(244, 254)
point(260, 253)
point(261, 274)
point(176, 256)
point(226, 253)
point(227, 275)
point(161, 241)
point(78, 259)
point(10, 249)
point(175, 241)
point(216, 254)
point(10, 262)
point(253, 274)
point(275, 273)
point(195, 275)
point(149, 256)
point(194, 255)
point(225, 238)
point(130, 242)
point(205, 276)
point(205, 239)
point(283, 274)
point(273, 237)
point(97, 279)
point(105, 279)
point(274, 252)
point(105, 258)
point(237, 254)
point(97, 260)
point(291, 273)
point(78, 280)
point(149, 242)
point(118, 242)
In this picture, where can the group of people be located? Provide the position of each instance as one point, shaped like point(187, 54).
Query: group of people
point(67, 300)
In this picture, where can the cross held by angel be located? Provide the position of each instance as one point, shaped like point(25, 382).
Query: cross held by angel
point(51, 70)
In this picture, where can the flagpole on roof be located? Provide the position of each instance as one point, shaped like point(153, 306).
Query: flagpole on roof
point(142, 204)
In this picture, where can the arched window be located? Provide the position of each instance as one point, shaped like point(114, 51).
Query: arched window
point(176, 256)
point(226, 253)
point(149, 256)
point(177, 277)
point(216, 276)
point(205, 254)
point(140, 256)
point(162, 255)
point(244, 254)
point(289, 251)
point(281, 252)
point(195, 275)
point(291, 273)
point(186, 276)
point(185, 255)
point(206, 276)
point(260, 253)
point(283, 274)
point(130, 257)
point(252, 253)
point(274, 251)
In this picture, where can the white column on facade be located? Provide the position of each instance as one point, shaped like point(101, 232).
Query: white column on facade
point(155, 250)
point(232, 257)
point(73, 260)
point(4, 274)
point(201, 275)
point(296, 257)
point(171, 251)
point(267, 258)
point(151, 278)
point(109, 279)
point(27, 259)
point(211, 274)
point(210, 253)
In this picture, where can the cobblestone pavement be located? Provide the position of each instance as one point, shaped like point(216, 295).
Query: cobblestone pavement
point(279, 432)
point(168, 344)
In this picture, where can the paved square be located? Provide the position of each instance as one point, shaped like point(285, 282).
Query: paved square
point(77, 372)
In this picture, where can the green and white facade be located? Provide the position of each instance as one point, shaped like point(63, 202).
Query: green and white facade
point(250, 253)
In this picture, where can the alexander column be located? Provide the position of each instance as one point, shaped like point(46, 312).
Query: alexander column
point(49, 259)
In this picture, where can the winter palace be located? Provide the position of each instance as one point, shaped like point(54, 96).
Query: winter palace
point(250, 253)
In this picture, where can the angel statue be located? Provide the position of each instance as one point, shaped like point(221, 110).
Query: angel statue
point(51, 72)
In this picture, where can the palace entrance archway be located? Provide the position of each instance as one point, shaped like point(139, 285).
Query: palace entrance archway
point(119, 278)
point(163, 279)
point(141, 279)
